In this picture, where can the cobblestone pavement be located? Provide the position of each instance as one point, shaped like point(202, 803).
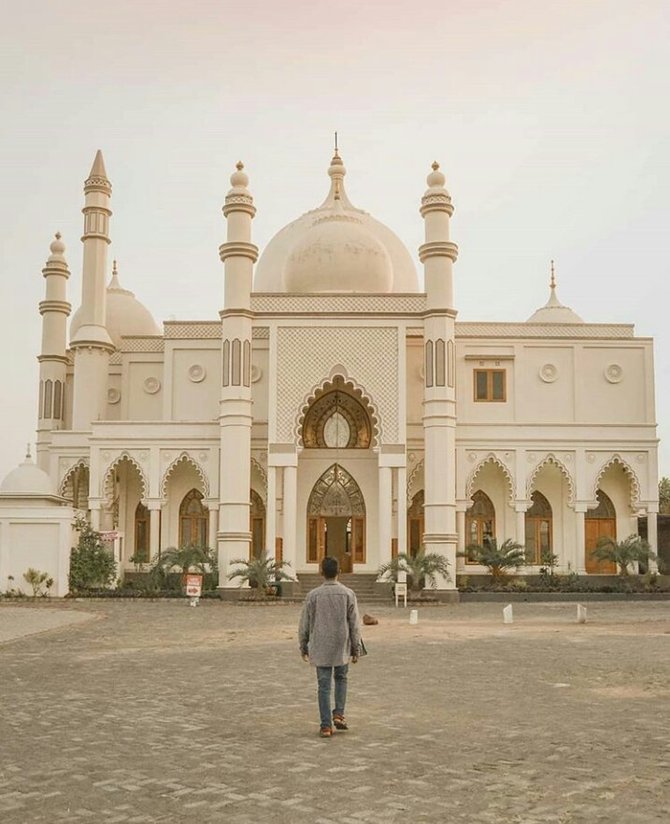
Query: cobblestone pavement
point(158, 712)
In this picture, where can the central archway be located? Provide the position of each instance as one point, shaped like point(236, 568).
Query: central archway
point(336, 520)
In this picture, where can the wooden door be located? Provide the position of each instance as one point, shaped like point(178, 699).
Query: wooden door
point(316, 540)
point(594, 530)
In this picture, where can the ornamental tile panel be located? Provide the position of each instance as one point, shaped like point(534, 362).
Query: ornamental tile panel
point(546, 331)
point(189, 329)
point(354, 304)
point(306, 355)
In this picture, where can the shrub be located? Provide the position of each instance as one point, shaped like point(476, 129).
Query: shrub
point(37, 580)
point(420, 568)
point(623, 553)
point(498, 559)
point(91, 565)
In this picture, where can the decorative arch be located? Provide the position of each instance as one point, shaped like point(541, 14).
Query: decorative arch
point(257, 466)
point(630, 473)
point(69, 486)
point(108, 488)
point(184, 457)
point(415, 482)
point(552, 459)
point(336, 498)
point(491, 458)
point(323, 501)
point(339, 381)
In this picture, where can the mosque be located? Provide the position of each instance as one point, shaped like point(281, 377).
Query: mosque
point(336, 408)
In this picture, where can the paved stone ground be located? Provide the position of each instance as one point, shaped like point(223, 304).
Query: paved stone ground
point(157, 712)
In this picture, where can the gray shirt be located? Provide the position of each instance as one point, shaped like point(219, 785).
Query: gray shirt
point(329, 625)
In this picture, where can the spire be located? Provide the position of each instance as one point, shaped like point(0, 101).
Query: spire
point(97, 180)
point(337, 197)
point(98, 167)
point(28, 455)
point(114, 282)
point(553, 310)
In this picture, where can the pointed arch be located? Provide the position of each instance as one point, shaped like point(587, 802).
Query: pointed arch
point(349, 496)
point(183, 458)
point(415, 482)
point(193, 520)
point(107, 478)
point(491, 458)
point(629, 472)
point(257, 467)
point(338, 379)
point(550, 458)
point(75, 485)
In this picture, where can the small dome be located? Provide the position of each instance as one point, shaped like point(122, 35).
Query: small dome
point(338, 254)
point(125, 315)
point(553, 311)
point(27, 479)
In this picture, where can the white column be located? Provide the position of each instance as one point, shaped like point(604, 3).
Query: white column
point(402, 509)
point(384, 526)
point(94, 506)
point(460, 528)
point(271, 513)
point(290, 514)
point(154, 528)
point(652, 539)
point(580, 540)
point(213, 526)
point(521, 524)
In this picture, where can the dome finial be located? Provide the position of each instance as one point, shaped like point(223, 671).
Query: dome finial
point(114, 282)
point(28, 455)
point(336, 151)
point(552, 282)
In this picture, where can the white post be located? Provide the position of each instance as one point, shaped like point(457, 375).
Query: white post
point(385, 514)
point(289, 532)
point(652, 539)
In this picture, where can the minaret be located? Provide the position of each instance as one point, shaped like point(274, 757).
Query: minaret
point(52, 359)
point(91, 343)
point(438, 255)
point(238, 255)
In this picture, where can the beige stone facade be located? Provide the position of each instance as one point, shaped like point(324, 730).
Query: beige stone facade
point(336, 408)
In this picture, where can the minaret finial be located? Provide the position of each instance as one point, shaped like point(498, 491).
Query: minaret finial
point(28, 455)
point(336, 152)
point(552, 282)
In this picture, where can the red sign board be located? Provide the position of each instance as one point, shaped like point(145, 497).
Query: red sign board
point(193, 585)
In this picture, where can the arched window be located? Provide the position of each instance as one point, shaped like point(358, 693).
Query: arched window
point(429, 363)
point(142, 527)
point(48, 398)
point(58, 400)
point(337, 419)
point(539, 530)
point(480, 522)
point(193, 520)
point(440, 367)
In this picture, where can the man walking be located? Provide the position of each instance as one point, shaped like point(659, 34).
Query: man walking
point(329, 636)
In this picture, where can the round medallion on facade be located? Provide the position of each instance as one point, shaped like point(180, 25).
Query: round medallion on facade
point(256, 373)
point(197, 373)
point(549, 372)
point(113, 395)
point(152, 385)
point(614, 373)
point(590, 457)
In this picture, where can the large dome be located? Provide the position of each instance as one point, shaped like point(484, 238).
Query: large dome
point(124, 314)
point(336, 248)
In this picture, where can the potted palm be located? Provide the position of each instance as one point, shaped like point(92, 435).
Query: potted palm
point(499, 560)
point(262, 574)
point(624, 553)
point(184, 560)
point(422, 569)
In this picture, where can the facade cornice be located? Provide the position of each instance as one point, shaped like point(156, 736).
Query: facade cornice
point(408, 303)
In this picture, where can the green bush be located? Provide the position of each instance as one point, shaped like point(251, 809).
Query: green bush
point(91, 565)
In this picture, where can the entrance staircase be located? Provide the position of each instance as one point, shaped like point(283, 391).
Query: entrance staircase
point(363, 584)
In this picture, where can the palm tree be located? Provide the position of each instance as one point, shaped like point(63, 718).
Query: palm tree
point(260, 573)
point(420, 568)
point(189, 558)
point(624, 553)
point(498, 559)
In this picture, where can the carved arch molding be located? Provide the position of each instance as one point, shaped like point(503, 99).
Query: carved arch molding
point(338, 416)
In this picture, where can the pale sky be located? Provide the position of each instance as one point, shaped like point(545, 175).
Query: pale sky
point(550, 120)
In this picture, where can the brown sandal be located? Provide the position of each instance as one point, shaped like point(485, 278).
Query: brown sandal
point(340, 722)
point(326, 732)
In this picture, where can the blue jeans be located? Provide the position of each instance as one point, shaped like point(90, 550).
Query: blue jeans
point(324, 677)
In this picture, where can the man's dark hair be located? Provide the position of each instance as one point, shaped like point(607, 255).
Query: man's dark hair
point(330, 568)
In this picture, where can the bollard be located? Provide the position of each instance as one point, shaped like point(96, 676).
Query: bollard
point(508, 617)
point(414, 616)
point(581, 614)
